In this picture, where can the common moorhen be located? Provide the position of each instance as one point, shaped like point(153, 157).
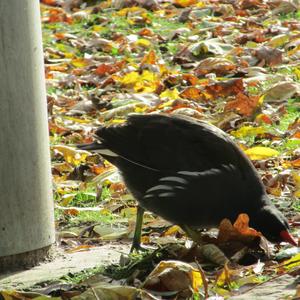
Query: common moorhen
point(188, 172)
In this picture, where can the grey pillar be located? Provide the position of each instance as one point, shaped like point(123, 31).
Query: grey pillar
point(26, 207)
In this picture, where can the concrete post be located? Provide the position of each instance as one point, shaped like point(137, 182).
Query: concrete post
point(26, 207)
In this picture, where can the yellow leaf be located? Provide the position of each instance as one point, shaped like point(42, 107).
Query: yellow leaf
point(130, 78)
point(185, 3)
point(148, 76)
point(172, 230)
point(67, 198)
point(170, 94)
point(166, 104)
point(76, 120)
point(118, 121)
point(257, 153)
point(196, 279)
point(79, 62)
point(143, 43)
point(247, 131)
point(297, 72)
point(145, 87)
point(147, 83)
point(292, 262)
point(98, 28)
point(69, 54)
point(71, 155)
point(201, 4)
point(297, 193)
point(124, 12)
point(275, 191)
point(278, 41)
point(296, 178)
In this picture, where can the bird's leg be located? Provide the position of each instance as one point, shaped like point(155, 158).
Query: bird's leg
point(136, 243)
point(193, 234)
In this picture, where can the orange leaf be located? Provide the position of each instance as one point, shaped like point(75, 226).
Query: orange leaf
point(263, 118)
point(185, 3)
point(146, 32)
point(296, 135)
point(71, 212)
point(149, 58)
point(296, 163)
point(226, 88)
point(239, 231)
point(243, 104)
point(104, 69)
point(50, 2)
point(190, 78)
point(192, 93)
point(242, 225)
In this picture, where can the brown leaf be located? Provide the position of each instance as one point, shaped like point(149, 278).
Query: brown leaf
point(219, 66)
point(105, 69)
point(242, 225)
point(192, 93)
point(226, 88)
point(174, 275)
point(239, 231)
point(256, 36)
point(269, 56)
point(247, 4)
point(149, 58)
point(243, 104)
point(146, 32)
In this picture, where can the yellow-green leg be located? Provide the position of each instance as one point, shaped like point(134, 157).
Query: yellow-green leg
point(136, 243)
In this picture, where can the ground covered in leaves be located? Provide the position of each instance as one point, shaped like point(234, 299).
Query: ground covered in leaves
point(232, 63)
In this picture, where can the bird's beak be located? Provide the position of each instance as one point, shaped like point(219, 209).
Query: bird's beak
point(286, 236)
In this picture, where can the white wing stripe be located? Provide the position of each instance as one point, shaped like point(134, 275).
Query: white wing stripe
point(167, 194)
point(159, 187)
point(174, 178)
point(192, 173)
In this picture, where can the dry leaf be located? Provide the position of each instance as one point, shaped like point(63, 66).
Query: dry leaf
point(243, 104)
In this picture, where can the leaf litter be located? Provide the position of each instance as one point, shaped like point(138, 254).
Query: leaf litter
point(233, 64)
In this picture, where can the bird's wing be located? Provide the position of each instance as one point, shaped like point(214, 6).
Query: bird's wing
point(170, 143)
point(198, 198)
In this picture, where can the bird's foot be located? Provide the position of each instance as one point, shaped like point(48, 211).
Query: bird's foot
point(137, 247)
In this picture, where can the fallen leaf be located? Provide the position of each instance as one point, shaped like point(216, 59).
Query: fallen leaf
point(243, 104)
point(219, 66)
point(174, 276)
point(258, 153)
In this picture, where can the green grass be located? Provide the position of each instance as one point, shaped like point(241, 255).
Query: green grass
point(84, 217)
point(296, 205)
point(70, 278)
point(79, 277)
point(286, 144)
point(88, 197)
point(289, 16)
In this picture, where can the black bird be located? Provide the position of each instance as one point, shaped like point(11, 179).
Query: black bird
point(188, 172)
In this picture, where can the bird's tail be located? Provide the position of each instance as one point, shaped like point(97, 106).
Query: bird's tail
point(97, 147)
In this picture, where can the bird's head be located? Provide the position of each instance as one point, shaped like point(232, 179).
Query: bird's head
point(273, 225)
